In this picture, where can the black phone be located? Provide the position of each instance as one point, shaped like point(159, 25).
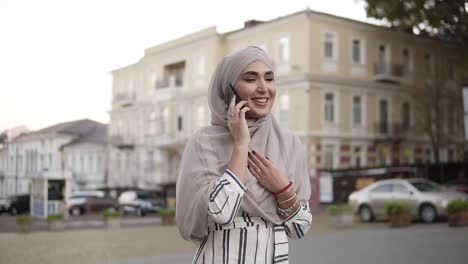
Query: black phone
point(230, 93)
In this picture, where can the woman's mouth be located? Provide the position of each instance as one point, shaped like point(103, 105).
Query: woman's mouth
point(261, 102)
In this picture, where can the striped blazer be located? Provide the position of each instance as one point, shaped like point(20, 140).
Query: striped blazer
point(235, 237)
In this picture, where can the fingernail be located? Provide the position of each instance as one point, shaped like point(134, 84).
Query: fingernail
point(248, 153)
point(248, 166)
point(267, 158)
point(253, 152)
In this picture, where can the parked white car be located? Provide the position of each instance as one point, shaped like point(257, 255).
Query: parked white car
point(139, 202)
point(426, 199)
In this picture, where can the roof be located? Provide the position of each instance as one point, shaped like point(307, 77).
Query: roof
point(97, 134)
point(78, 127)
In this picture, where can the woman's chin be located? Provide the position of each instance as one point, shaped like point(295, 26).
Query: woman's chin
point(256, 115)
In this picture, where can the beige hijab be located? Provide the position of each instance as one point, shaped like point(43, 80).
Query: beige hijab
point(208, 153)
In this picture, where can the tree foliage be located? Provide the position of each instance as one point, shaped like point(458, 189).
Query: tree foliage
point(446, 19)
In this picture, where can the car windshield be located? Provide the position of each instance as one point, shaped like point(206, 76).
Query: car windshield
point(426, 186)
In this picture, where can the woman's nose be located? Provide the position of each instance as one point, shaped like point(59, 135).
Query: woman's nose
point(261, 85)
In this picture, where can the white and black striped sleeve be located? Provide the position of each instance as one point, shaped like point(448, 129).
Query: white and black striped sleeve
point(225, 198)
point(297, 225)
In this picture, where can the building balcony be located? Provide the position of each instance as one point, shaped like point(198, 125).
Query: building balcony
point(389, 72)
point(169, 89)
point(397, 131)
point(123, 142)
point(168, 142)
point(125, 99)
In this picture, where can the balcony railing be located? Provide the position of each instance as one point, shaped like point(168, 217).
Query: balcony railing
point(168, 141)
point(121, 141)
point(388, 72)
point(396, 130)
point(124, 96)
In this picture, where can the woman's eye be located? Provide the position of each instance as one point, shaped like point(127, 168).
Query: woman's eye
point(270, 79)
point(249, 80)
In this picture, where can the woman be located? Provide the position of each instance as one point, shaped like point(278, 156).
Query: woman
point(243, 187)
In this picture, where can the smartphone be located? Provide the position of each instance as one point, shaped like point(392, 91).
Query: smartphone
point(230, 93)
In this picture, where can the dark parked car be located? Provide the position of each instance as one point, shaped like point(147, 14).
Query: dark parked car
point(460, 185)
point(88, 202)
point(19, 204)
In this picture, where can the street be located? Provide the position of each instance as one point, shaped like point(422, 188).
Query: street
point(420, 243)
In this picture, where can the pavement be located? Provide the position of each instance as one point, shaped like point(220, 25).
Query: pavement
point(425, 244)
point(149, 242)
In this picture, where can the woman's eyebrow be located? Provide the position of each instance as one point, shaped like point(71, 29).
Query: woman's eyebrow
point(256, 73)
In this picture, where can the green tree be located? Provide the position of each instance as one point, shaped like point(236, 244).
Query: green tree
point(446, 19)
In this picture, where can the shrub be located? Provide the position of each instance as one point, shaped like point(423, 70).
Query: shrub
point(111, 213)
point(167, 211)
point(396, 208)
point(23, 219)
point(339, 209)
point(55, 217)
point(457, 205)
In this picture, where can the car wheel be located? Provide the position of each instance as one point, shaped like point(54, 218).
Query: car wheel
point(75, 211)
point(139, 212)
point(365, 214)
point(427, 213)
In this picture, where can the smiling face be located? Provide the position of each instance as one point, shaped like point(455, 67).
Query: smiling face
point(256, 85)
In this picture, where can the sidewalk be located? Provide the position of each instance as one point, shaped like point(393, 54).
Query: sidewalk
point(101, 245)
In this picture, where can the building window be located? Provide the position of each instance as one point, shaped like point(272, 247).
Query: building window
point(406, 116)
point(382, 55)
point(329, 46)
point(357, 51)
point(284, 108)
point(357, 156)
point(179, 123)
point(383, 116)
point(329, 157)
point(357, 111)
point(428, 155)
point(382, 155)
point(329, 108)
point(283, 51)
point(428, 63)
point(407, 60)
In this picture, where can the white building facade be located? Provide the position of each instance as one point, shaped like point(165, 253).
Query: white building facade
point(39, 155)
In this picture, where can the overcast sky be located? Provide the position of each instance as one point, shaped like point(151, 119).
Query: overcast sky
point(56, 56)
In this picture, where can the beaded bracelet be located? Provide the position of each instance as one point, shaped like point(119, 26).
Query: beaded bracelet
point(285, 212)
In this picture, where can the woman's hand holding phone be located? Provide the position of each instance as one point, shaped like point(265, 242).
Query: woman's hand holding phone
point(237, 123)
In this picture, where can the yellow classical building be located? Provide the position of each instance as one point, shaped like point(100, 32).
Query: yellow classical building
point(355, 93)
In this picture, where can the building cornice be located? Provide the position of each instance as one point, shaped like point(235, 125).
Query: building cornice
point(310, 80)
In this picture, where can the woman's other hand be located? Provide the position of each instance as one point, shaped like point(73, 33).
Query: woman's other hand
point(270, 176)
point(237, 123)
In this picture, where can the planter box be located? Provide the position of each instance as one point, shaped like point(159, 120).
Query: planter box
point(56, 225)
point(342, 219)
point(400, 219)
point(458, 218)
point(23, 228)
point(168, 219)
